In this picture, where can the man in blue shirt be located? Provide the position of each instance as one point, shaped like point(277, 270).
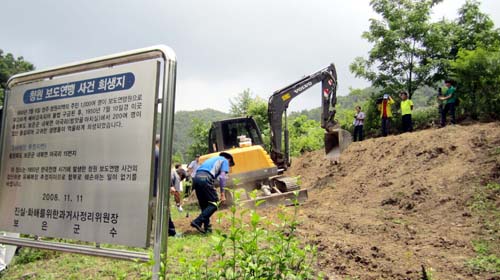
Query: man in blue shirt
point(203, 183)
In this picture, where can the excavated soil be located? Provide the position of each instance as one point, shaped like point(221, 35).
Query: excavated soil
point(398, 205)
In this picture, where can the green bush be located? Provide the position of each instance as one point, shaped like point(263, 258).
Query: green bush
point(305, 135)
point(425, 118)
point(28, 255)
point(477, 73)
point(253, 248)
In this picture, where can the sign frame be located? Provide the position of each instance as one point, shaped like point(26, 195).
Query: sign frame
point(165, 84)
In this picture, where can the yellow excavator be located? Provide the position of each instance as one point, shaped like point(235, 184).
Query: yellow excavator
point(254, 168)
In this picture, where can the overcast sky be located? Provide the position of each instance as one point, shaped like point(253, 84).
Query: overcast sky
point(223, 46)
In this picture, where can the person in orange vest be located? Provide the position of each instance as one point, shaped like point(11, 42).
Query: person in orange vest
point(386, 113)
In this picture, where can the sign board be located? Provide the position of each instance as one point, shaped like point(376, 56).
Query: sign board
point(77, 155)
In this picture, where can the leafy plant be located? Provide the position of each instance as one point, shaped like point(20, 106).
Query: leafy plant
point(485, 259)
point(253, 247)
point(493, 186)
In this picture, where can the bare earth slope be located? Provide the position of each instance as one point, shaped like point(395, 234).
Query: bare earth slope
point(398, 203)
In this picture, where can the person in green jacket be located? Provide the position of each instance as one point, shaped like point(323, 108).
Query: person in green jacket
point(449, 100)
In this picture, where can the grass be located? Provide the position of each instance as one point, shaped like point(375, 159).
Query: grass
point(486, 260)
point(496, 151)
point(487, 249)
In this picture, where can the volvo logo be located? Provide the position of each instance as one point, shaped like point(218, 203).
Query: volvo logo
point(303, 87)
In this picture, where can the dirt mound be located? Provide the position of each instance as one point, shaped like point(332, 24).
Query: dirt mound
point(400, 204)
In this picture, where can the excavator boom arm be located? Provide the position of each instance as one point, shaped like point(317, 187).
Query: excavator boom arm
point(279, 101)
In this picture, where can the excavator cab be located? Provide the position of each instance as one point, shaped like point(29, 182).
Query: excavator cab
point(233, 133)
point(254, 170)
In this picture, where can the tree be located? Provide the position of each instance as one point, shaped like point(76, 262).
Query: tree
point(475, 29)
point(440, 49)
point(399, 54)
point(241, 103)
point(472, 29)
point(475, 64)
point(258, 110)
point(478, 74)
point(246, 104)
point(199, 135)
point(10, 66)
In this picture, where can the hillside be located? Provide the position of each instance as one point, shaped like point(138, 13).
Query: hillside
point(183, 123)
point(392, 206)
point(398, 203)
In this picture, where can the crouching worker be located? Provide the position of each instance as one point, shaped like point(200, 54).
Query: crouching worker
point(203, 184)
point(178, 175)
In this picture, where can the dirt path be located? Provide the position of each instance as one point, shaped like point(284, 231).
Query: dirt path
point(397, 204)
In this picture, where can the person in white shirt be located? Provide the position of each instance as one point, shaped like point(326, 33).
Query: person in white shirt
point(193, 166)
point(359, 119)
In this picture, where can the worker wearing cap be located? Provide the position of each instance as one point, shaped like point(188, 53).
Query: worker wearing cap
point(386, 113)
point(203, 183)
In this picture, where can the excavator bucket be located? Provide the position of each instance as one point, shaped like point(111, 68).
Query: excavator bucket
point(336, 141)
